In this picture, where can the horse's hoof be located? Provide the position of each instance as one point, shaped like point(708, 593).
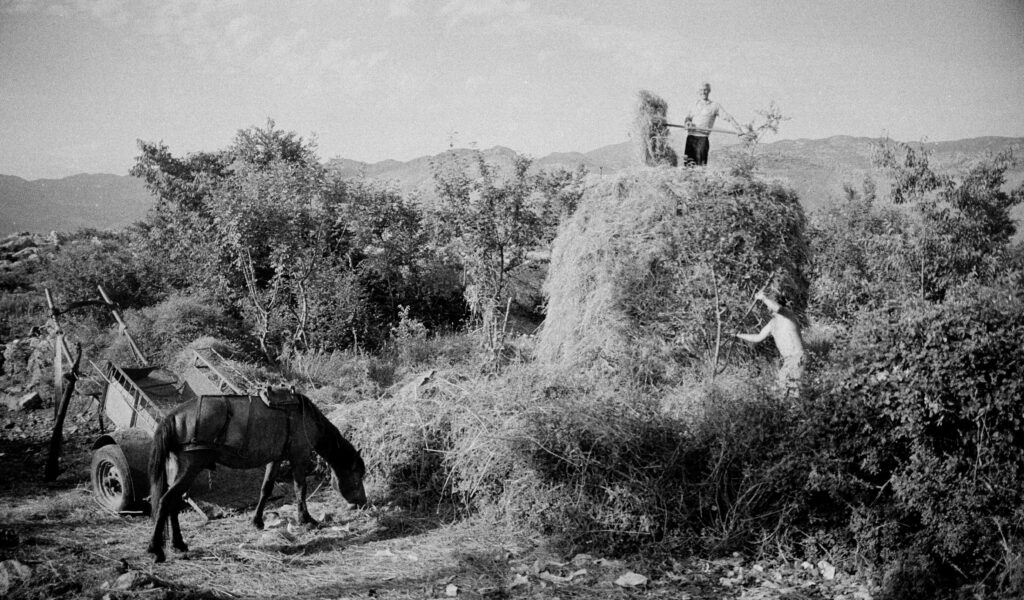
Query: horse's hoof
point(180, 546)
point(257, 524)
point(158, 553)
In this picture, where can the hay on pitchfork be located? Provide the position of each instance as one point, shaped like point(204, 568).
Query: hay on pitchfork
point(658, 267)
point(650, 132)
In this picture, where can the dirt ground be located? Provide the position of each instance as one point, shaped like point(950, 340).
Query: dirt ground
point(56, 542)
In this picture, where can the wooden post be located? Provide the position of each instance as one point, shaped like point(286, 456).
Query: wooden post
point(123, 327)
point(57, 438)
point(61, 351)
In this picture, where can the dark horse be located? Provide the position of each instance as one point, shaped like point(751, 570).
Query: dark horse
point(243, 432)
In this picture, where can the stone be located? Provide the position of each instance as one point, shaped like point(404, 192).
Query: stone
point(13, 572)
point(132, 580)
point(30, 401)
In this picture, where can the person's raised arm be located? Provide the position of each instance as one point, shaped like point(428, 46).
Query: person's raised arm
point(771, 304)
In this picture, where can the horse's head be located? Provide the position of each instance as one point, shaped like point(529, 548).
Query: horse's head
point(349, 481)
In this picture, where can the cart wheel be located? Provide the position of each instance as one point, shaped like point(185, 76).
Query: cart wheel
point(111, 478)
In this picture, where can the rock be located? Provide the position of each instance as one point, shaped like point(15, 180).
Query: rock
point(30, 401)
point(827, 570)
point(25, 253)
point(631, 579)
point(276, 538)
point(15, 243)
point(132, 580)
point(13, 572)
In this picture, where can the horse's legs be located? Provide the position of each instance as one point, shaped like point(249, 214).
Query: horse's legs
point(265, 490)
point(299, 482)
point(177, 542)
point(170, 503)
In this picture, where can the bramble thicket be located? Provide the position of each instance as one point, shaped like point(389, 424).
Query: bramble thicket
point(628, 421)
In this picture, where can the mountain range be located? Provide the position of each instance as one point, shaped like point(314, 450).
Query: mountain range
point(816, 169)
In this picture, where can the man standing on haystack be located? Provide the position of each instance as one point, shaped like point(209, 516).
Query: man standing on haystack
point(785, 331)
point(699, 123)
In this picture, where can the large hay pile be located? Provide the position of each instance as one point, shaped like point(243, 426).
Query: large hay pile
point(658, 267)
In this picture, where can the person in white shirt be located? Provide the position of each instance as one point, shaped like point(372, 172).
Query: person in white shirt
point(699, 122)
point(785, 330)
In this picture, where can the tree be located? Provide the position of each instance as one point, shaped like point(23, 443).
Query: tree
point(397, 261)
point(558, 193)
point(861, 256)
point(488, 222)
point(963, 222)
point(271, 216)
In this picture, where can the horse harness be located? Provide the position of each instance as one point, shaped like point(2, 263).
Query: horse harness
point(226, 422)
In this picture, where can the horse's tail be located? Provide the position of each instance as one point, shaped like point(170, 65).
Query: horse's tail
point(163, 440)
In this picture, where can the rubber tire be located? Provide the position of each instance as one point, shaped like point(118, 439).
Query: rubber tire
point(112, 479)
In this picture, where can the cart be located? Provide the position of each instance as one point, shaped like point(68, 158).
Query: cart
point(135, 400)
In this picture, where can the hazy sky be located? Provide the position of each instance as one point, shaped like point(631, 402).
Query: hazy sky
point(82, 80)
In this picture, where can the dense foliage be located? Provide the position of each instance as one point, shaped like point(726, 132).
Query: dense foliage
point(921, 432)
point(938, 230)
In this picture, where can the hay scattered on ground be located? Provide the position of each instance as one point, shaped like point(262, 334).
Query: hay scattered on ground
point(653, 257)
point(650, 133)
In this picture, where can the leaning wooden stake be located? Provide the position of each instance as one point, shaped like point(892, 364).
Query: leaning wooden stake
point(61, 352)
point(139, 356)
point(57, 438)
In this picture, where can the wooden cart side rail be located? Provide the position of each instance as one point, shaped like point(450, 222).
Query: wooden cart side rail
point(114, 375)
point(223, 379)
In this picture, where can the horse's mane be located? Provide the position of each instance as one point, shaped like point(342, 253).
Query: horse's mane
point(333, 441)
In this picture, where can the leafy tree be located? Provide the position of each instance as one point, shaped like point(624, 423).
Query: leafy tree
point(939, 230)
point(396, 259)
point(271, 216)
point(488, 222)
point(963, 222)
point(557, 194)
point(861, 256)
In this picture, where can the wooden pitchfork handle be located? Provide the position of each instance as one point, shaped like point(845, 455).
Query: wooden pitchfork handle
point(760, 291)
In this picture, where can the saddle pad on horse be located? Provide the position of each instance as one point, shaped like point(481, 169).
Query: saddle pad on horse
point(220, 422)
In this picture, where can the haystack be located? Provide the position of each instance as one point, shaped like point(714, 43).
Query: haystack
point(658, 267)
point(650, 133)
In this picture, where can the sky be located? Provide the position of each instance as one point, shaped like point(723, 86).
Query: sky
point(82, 80)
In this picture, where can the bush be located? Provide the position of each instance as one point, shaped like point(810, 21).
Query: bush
point(862, 257)
point(163, 330)
point(95, 258)
point(924, 434)
point(20, 313)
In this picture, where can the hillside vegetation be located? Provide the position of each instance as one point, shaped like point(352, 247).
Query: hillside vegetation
point(553, 350)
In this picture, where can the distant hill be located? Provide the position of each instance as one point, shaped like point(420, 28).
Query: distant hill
point(71, 203)
point(817, 169)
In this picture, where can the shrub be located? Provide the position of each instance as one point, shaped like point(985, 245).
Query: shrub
point(862, 257)
point(923, 431)
point(95, 258)
point(161, 331)
point(20, 313)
